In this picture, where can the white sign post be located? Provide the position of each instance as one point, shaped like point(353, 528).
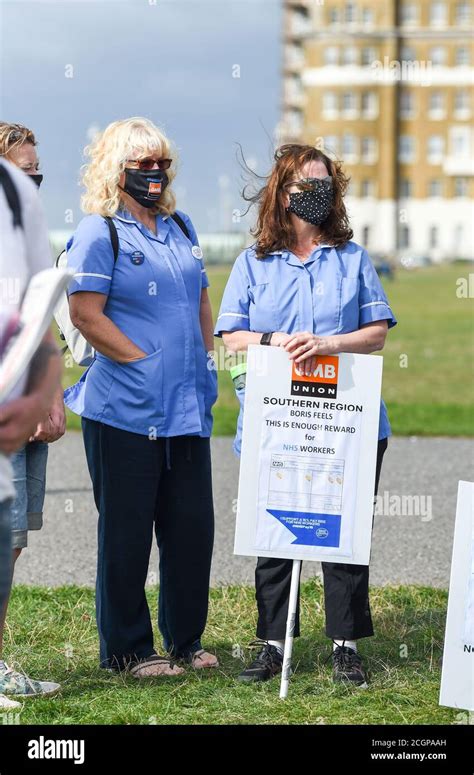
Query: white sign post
point(457, 679)
point(307, 472)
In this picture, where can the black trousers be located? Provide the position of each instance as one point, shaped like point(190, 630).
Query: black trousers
point(140, 484)
point(346, 593)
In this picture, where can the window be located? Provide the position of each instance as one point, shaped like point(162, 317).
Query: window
point(367, 17)
point(293, 88)
point(407, 54)
point(330, 104)
point(437, 55)
point(300, 22)
point(331, 55)
point(349, 55)
point(460, 141)
point(367, 188)
point(369, 55)
point(435, 187)
point(350, 14)
point(293, 121)
point(463, 13)
point(435, 149)
point(369, 104)
point(434, 237)
point(436, 105)
point(405, 188)
point(461, 103)
point(404, 236)
point(349, 103)
point(463, 56)
point(406, 103)
point(461, 187)
point(331, 145)
point(333, 16)
point(368, 150)
point(366, 236)
point(294, 55)
point(349, 146)
point(406, 149)
point(438, 14)
point(409, 14)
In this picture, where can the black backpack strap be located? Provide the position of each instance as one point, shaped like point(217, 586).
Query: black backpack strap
point(11, 195)
point(177, 219)
point(113, 235)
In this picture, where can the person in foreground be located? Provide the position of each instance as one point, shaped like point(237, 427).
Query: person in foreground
point(146, 399)
point(18, 145)
point(24, 251)
point(307, 287)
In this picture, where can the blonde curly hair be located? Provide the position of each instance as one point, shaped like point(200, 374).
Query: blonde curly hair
point(108, 153)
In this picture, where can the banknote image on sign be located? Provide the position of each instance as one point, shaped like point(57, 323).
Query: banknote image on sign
point(313, 488)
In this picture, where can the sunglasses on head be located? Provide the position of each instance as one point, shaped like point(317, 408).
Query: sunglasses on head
point(148, 163)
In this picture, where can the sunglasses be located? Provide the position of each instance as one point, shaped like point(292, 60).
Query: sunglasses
point(311, 184)
point(149, 164)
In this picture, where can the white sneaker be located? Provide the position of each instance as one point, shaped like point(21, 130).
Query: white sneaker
point(16, 684)
point(7, 704)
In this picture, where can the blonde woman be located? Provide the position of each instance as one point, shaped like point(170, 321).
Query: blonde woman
point(146, 399)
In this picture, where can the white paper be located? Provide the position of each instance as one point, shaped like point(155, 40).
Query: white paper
point(307, 472)
point(457, 678)
point(36, 314)
point(469, 615)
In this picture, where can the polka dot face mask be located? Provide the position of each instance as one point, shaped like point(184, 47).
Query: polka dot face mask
point(314, 201)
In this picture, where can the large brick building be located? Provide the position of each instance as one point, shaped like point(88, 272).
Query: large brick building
point(387, 86)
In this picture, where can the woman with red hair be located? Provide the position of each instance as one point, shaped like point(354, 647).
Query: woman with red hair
point(307, 287)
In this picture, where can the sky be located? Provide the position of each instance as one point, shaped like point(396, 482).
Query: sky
point(172, 61)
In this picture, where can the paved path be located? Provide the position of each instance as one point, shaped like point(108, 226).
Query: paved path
point(406, 549)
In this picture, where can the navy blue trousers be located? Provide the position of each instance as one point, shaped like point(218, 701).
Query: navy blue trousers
point(140, 485)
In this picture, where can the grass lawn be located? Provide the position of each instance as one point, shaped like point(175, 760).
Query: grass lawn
point(52, 635)
point(432, 393)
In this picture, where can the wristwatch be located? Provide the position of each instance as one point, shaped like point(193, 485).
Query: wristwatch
point(266, 338)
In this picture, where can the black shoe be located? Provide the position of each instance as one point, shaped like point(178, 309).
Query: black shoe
point(347, 667)
point(266, 664)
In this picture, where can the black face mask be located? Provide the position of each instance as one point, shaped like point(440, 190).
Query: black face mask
point(146, 187)
point(38, 179)
point(315, 205)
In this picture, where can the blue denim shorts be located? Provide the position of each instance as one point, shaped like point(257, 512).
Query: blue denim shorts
point(29, 479)
point(5, 550)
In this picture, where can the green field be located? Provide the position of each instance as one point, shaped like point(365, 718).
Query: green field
point(428, 392)
point(52, 635)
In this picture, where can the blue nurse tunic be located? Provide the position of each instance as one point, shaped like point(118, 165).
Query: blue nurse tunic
point(153, 296)
point(336, 290)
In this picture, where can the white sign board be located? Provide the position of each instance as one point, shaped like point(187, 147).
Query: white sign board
point(457, 680)
point(309, 447)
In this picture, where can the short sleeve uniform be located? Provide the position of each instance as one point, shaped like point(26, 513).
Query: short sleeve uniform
point(153, 296)
point(335, 291)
